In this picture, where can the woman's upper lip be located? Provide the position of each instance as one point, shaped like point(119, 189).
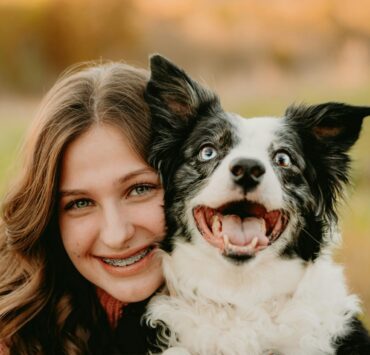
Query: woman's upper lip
point(125, 255)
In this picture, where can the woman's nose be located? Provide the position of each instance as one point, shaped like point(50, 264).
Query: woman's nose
point(117, 228)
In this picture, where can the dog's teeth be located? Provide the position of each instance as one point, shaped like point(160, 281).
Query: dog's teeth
point(216, 224)
point(254, 242)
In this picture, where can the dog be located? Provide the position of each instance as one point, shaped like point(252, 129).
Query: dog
point(250, 206)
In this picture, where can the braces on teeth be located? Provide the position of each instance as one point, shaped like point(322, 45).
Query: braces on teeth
point(128, 261)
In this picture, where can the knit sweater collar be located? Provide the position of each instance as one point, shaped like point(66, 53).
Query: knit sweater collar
point(111, 305)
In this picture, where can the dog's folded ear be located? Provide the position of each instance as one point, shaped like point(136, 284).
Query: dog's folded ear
point(170, 90)
point(330, 122)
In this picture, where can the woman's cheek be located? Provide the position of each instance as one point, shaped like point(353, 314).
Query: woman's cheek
point(77, 235)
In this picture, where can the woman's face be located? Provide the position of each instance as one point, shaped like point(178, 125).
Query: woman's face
point(111, 215)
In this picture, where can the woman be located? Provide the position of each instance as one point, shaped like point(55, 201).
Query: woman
point(80, 226)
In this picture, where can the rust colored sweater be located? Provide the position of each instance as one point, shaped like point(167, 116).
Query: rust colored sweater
point(112, 307)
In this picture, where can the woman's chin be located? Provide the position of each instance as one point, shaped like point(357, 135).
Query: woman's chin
point(136, 289)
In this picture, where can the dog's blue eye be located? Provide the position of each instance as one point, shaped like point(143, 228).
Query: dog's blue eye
point(207, 153)
point(282, 159)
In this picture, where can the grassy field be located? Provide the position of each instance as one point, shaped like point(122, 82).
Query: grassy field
point(355, 213)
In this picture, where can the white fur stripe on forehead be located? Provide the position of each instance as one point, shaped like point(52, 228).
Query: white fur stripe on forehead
point(255, 137)
point(256, 134)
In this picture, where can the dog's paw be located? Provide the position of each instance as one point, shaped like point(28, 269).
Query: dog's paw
point(176, 351)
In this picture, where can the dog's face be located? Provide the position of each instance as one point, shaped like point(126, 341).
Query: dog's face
point(243, 186)
point(239, 206)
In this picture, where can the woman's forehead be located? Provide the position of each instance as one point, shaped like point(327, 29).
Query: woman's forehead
point(101, 151)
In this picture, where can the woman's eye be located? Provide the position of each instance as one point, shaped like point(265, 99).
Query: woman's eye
point(208, 152)
point(282, 159)
point(142, 189)
point(78, 204)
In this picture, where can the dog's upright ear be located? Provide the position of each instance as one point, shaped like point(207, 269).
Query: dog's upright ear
point(327, 132)
point(330, 123)
point(176, 103)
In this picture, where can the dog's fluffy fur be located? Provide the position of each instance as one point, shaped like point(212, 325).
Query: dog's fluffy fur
point(236, 295)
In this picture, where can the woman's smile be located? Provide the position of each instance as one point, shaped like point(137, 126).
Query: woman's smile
point(128, 260)
point(127, 266)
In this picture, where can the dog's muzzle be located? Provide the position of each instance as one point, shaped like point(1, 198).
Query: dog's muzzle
point(241, 227)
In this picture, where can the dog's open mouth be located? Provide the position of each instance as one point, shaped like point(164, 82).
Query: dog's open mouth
point(240, 228)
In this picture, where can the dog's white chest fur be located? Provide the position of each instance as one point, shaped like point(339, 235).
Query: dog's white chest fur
point(271, 306)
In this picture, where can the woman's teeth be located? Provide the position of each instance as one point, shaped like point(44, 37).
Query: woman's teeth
point(127, 261)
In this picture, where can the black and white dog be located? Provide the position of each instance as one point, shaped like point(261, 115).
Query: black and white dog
point(251, 213)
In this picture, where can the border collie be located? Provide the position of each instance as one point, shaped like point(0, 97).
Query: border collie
point(250, 207)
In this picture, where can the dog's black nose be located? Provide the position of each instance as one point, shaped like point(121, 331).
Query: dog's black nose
point(247, 173)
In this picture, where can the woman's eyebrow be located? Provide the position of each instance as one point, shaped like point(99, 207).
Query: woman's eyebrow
point(65, 193)
point(119, 181)
point(134, 174)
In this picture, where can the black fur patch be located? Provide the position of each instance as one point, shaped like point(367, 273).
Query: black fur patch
point(186, 116)
point(357, 342)
point(320, 137)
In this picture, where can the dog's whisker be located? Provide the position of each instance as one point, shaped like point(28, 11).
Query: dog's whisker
point(307, 232)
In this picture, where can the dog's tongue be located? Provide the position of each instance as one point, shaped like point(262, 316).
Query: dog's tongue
point(241, 232)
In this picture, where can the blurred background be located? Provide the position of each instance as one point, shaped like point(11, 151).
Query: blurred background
point(259, 55)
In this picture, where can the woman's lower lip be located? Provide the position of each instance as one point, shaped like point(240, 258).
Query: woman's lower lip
point(128, 270)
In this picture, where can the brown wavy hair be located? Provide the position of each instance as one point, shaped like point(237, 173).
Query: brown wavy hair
point(46, 307)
